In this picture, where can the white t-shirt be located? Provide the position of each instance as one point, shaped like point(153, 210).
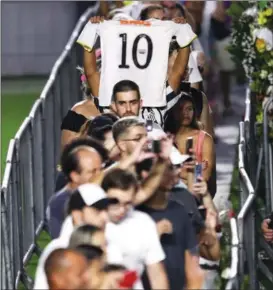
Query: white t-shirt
point(62, 242)
point(136, 52)
point(134, 243)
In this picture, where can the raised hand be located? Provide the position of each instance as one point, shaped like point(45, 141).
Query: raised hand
point(267, 232)
point(200, 188)
point(96, 19)
point(164, 227)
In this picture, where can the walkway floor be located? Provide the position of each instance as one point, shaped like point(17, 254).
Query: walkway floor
point(227, 131)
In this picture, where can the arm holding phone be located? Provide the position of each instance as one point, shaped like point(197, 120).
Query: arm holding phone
point(200, 190)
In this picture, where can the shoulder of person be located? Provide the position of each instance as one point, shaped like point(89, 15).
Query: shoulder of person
point(80, 107)
point(208, 137)
point(142, 218)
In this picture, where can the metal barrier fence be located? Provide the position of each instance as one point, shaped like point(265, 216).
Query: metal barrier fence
point(253, 158)
point(29, 177)
point(233, 282)
point(268, 160)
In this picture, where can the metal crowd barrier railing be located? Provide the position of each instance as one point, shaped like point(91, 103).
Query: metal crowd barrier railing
point(268, 153)
point(252, 158)
point(29, 176)
point(233, 282)
point(246, 228)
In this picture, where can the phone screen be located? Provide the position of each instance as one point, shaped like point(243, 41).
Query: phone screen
point(189, 145)
point(197, 172)
point(156, 147)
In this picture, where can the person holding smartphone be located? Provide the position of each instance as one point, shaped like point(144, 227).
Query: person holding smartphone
point(181, 121)
point(267, 228)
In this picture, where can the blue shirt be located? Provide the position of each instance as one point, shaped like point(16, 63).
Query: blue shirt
point(56, 212)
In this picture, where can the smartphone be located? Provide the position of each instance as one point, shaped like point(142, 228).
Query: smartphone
point(189, 145)
point(156, 146)
point(197, 172)
point(149, 125)
point(203, 212)
point(270, 225)
point(128, 280)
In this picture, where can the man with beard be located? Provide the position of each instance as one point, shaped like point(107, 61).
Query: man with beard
point(126, 100)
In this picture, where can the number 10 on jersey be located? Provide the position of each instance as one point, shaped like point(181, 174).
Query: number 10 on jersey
point(124, 64)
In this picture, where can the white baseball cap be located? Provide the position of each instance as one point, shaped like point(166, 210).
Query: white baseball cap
point(90, 195)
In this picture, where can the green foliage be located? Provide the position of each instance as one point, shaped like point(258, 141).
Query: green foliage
point(237, 8)
point(263, 4)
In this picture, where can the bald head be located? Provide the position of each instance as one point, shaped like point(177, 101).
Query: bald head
point(87, 165)
point(65, 268)
point(73, 154)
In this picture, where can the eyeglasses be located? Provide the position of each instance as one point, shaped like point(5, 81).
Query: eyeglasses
point(135, 139)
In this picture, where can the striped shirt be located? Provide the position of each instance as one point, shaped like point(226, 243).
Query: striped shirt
point(157, 114)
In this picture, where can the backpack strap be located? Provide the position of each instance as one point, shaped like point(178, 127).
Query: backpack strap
point(199, 146)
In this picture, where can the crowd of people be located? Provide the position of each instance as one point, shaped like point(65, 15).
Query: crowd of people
point(133, 207)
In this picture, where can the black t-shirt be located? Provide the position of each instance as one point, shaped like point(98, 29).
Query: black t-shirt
point(185, 198)
point(183, 238)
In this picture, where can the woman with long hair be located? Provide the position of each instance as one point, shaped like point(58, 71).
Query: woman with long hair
point(181, 121)
point(79, 113)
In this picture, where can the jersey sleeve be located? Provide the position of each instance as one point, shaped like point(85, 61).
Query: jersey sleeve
point(184, 35)
point(154, 251)
point(88, 36)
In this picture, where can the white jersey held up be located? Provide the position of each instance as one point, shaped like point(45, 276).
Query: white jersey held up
point(137, 51)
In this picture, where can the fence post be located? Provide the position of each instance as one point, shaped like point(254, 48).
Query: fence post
point(268, 160)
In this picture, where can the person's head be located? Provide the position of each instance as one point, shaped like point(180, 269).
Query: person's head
point(152, 11)
point(94, 274)
point(82, 160)
point(126, 99)
point(182, 114)
point(88, 235)
point(121, 185)
point(127, 132)
point(170, 178)
point(88, 205)
point(100, 128)
point(177, 11)
point(196, 95)
point(66, 269)
point(170, 8)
